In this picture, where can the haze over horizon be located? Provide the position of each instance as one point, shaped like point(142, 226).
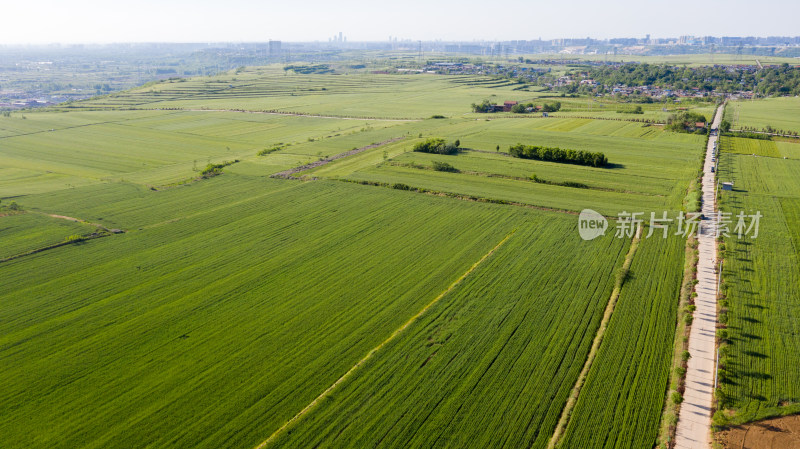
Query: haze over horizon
point(93, 21)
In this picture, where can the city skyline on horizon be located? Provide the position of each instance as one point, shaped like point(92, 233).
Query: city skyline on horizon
point(184, 21)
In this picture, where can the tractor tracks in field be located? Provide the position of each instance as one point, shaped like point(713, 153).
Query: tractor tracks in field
point(563, 421)
point(374, 350)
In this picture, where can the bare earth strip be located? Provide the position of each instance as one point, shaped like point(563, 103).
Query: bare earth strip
point(391, 337)
point(288, 173)
point(694, 419)
point(598, 338)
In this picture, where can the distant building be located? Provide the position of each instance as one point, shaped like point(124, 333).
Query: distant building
point(727, 186)
point(274, 48)
point(507, 105)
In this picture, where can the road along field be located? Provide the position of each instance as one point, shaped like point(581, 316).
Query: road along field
point(761, 300)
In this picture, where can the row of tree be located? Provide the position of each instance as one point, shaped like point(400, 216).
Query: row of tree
point(554, 154)
point(521, 108)
point(769, 81)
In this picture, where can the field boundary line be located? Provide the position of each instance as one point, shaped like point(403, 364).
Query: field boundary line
point(292, 114)
point(563, 421)
point(391, 337)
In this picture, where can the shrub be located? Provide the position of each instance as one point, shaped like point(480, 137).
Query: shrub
point(444, 166)
point(272, 149)
point(436, 145)
point(215, 169)
point(575, 185)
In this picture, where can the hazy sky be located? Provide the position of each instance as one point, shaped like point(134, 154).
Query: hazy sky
point(68, 21)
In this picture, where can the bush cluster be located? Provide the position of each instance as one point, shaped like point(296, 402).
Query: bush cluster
point(437, 146)
point(444, 166)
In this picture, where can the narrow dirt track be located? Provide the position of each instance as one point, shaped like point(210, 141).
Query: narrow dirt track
point(288, 173)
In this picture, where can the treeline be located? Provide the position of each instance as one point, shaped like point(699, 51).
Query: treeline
point(521, 108)
point(747, 135)
point(320, 69)
point(437, 145)
point(554, 154)
point(769, 81)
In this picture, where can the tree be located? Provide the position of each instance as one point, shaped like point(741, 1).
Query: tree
point(436, 146)
point(484, 106)
point(725, 126)
point(547, 107)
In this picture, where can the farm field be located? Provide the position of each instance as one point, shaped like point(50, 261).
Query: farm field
point(761, 288)
point(24, 232)
point(233, 300)
point(358, 95)
point(355, 95)
point(275, 285)
point(633, 361)
point(751, 147)
point(779, 113)
point(655, 178)
point(491, 364)
point(159, 147)
point(788, 148)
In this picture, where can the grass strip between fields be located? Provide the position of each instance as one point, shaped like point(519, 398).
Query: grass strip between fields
point(573, 397)
point(391, 337)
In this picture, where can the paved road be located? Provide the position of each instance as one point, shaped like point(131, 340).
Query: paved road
point(694, 420)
